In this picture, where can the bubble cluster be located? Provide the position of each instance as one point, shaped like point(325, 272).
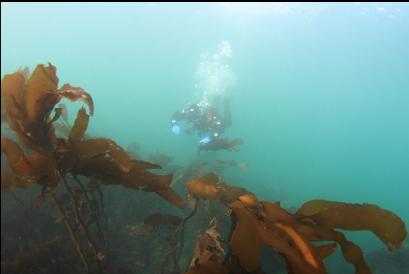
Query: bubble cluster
point(213, 76)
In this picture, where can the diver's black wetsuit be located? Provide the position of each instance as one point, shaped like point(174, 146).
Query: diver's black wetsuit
point(204, 119)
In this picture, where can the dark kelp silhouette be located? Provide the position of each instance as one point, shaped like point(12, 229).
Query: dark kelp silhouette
point(222, 144)
point(384, 262)
point(158, 219)
point(160, 158)
point(27, 104)
point(294, 236)
point(232, 163)
point(153, 221)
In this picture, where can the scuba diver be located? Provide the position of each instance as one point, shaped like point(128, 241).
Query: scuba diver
point(204, 119)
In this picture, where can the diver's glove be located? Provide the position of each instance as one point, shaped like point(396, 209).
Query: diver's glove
point(205, 140)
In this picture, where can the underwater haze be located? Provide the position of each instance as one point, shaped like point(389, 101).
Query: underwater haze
point(319, 92)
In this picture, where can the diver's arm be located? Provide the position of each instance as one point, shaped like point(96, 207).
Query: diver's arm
point(175, 122)
point(190, 114)
point(178, 116)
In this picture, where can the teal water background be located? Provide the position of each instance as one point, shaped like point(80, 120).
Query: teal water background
point(321, 95)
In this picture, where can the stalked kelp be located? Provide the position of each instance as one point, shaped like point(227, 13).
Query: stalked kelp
point(27, 104)
point(294, 236)
point(208, 254)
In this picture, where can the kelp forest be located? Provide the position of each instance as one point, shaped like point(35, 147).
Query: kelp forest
point(77, 203)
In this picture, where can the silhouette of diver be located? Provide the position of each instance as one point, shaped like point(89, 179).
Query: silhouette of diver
point(204, 119)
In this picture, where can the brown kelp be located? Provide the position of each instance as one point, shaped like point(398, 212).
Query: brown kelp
point(294, 236)
point(27, 104)
point(29, 100)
